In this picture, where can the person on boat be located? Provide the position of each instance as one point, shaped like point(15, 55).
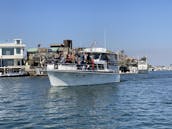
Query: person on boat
point(88, 59)
point(82, 59)
point(92, 63)
point(57, 56)
point(105, 58)
point(68, 58)
point(85, 58)
point(79, 61)
point(73, 58)
point(62, 59)
point(89, 62)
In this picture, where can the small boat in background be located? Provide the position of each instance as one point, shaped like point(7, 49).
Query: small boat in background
point(142, 65)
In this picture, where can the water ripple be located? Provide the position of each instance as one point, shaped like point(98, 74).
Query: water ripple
point(139, 101)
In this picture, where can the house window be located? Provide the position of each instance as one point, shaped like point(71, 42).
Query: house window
point(18, 41)
point(18, 51)
point(7, 51)
point(8, 62)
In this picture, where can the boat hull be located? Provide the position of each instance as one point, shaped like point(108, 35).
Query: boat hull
point(73, 78)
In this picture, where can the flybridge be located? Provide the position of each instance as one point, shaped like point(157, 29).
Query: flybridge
point(98, 50)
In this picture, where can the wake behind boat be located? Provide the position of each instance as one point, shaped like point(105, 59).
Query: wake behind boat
point(93, 67)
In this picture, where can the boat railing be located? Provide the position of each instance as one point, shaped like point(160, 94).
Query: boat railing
point(73, 66)
point(83, 67)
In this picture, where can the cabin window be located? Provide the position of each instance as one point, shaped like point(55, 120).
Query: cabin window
point(112, 58)
point(96, 56)
point(104, 57)
point(100, 66)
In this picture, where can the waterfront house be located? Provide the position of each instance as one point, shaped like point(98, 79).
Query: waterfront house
point(12, 58)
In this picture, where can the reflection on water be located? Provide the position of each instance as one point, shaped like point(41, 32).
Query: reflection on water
point(76, 105)
point(83, 96)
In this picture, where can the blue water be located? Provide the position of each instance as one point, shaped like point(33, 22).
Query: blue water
point(138, 102)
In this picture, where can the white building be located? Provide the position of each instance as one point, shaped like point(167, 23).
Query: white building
point(11, 56)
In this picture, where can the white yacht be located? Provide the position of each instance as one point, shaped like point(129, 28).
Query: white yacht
point(99, 71)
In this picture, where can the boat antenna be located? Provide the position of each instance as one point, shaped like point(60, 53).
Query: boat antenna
point(93, 44)
point(104, 38)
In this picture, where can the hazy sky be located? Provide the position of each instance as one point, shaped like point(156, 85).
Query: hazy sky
point(139, 27)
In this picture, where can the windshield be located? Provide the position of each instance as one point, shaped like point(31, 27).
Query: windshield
point(95, 55)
